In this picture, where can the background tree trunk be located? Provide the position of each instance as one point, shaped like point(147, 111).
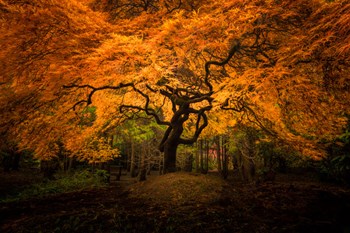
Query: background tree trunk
point(188, 162)
point(201, 155)
point(224, 171)
point(197, 158)
point(207, 151)
point(128, 156)
point(142, 167)
point(218, 152)
point(133, 160)
point(161, 163)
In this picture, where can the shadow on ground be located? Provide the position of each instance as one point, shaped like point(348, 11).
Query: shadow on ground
point(183, 202)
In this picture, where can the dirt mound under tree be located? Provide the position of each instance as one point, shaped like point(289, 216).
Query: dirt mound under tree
point(179, 189)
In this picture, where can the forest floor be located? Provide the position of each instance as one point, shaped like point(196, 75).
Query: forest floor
point(182, 202)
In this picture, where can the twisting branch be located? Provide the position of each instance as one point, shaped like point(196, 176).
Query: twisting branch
point(242, 106)
point(199, 128)
point(149, 111)
point(235, 48)
point(257, 51)
point(258, 122)
point(88, 101)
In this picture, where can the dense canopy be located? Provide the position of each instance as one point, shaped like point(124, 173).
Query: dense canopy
point(196, 67)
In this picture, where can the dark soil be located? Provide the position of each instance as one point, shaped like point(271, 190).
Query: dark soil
point(186, 203)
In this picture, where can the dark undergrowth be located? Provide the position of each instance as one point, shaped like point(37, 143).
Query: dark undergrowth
point(183, 202)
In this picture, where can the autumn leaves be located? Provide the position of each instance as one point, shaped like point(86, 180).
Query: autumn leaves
point(282, 64)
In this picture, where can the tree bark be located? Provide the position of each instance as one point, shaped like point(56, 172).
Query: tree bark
point(142, 167)
point(161, 163)
point(128, 156)
point(170, 157)
point(149, 160)
point(224, 172)
point(132, 160)
point(188, 162)
point(71, 163)
point(16, 160)
point(207, 150)
point(197, 158)
point(201, 155)
point(218, 153)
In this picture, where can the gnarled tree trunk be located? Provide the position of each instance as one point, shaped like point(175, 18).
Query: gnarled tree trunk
point(170, 157)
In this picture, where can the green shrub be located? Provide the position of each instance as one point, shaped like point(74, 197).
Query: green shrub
point(335, 169)
point(76, 181)
point(103, 175)
point(336, 166)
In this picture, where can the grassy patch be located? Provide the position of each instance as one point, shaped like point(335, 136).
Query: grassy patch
point(78, 180)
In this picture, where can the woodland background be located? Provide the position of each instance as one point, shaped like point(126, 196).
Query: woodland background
point(254, 92)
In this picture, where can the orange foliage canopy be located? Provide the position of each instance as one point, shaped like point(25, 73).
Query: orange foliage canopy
point(42, 46)
point(290, 75)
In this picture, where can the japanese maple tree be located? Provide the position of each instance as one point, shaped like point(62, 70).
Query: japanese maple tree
point(283, 65)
